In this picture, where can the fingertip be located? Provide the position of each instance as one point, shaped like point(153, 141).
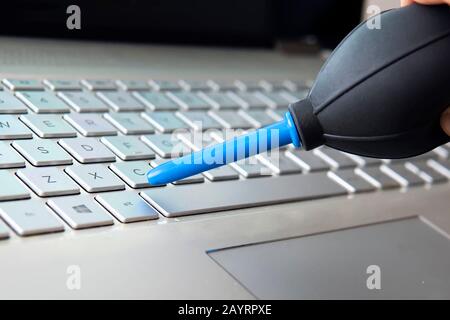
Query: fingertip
point(445, 121)
point(405, 2)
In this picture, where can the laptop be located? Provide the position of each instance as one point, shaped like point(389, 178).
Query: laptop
point(95, 94)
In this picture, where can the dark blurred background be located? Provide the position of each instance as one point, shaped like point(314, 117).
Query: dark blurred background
point(205, 22)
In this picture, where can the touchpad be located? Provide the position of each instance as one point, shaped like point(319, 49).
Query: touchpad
point(399, 259)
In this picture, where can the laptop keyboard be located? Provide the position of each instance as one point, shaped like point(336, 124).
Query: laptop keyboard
point(74, 153)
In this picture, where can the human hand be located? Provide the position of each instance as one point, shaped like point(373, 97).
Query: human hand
point(445, 118)
point(406, 2)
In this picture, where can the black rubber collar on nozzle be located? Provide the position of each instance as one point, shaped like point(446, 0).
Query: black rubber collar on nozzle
point(307, 124)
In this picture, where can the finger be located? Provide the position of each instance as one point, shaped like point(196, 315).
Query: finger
point(432, 1)
point(406, 2)
point(445, 121)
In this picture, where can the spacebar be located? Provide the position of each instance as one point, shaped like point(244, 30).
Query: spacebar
point(218, 196)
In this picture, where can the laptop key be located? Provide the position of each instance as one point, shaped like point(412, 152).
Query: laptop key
point(164, 85)
point(443, 151)
point(229, 119)
point(236, 194)
point(94, 85)
point(279, 163)
point(307, 160)
point(156, 101)
point(95, 178)
point(164, 121)
point(128, 148)
point(441, 166)
point(403, 176)
point(221, 85)
point(80, 212)
point(274, 100)
point(247, 100)
point(11, 128)
point(251, 168)
point(134, 173)
point(196, 141)
point(127, 206)
point(166, 145)
point(336, 159)
point(90, 125)
point(295, 95)
point(48, 182)
point(48, 126)
point(289, 96)
point(188, 100)
point(60, 85)
point(129, 123)
point(297, 85)
point(87, 150)
point(350, 181)
point(248, 85)
point(83, 101)
point(198, 120)
point(420, 157)
point(30, 217)
point(193, 85)
point(43, 102)
point(363, 161)
point(219, 100)
point(273, 85)
point(129, 85)
point(221, 174)
point(11, 105)
point(22, 84)
point(10, 187)
point(257, 118)
point(377, 178)
point(425, 172)
point(4, 232)
point(198, 178)
point(120, 101)
point(40, 152)
point(9, 157)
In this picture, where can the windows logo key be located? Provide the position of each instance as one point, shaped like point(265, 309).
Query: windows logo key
point(82, 208)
